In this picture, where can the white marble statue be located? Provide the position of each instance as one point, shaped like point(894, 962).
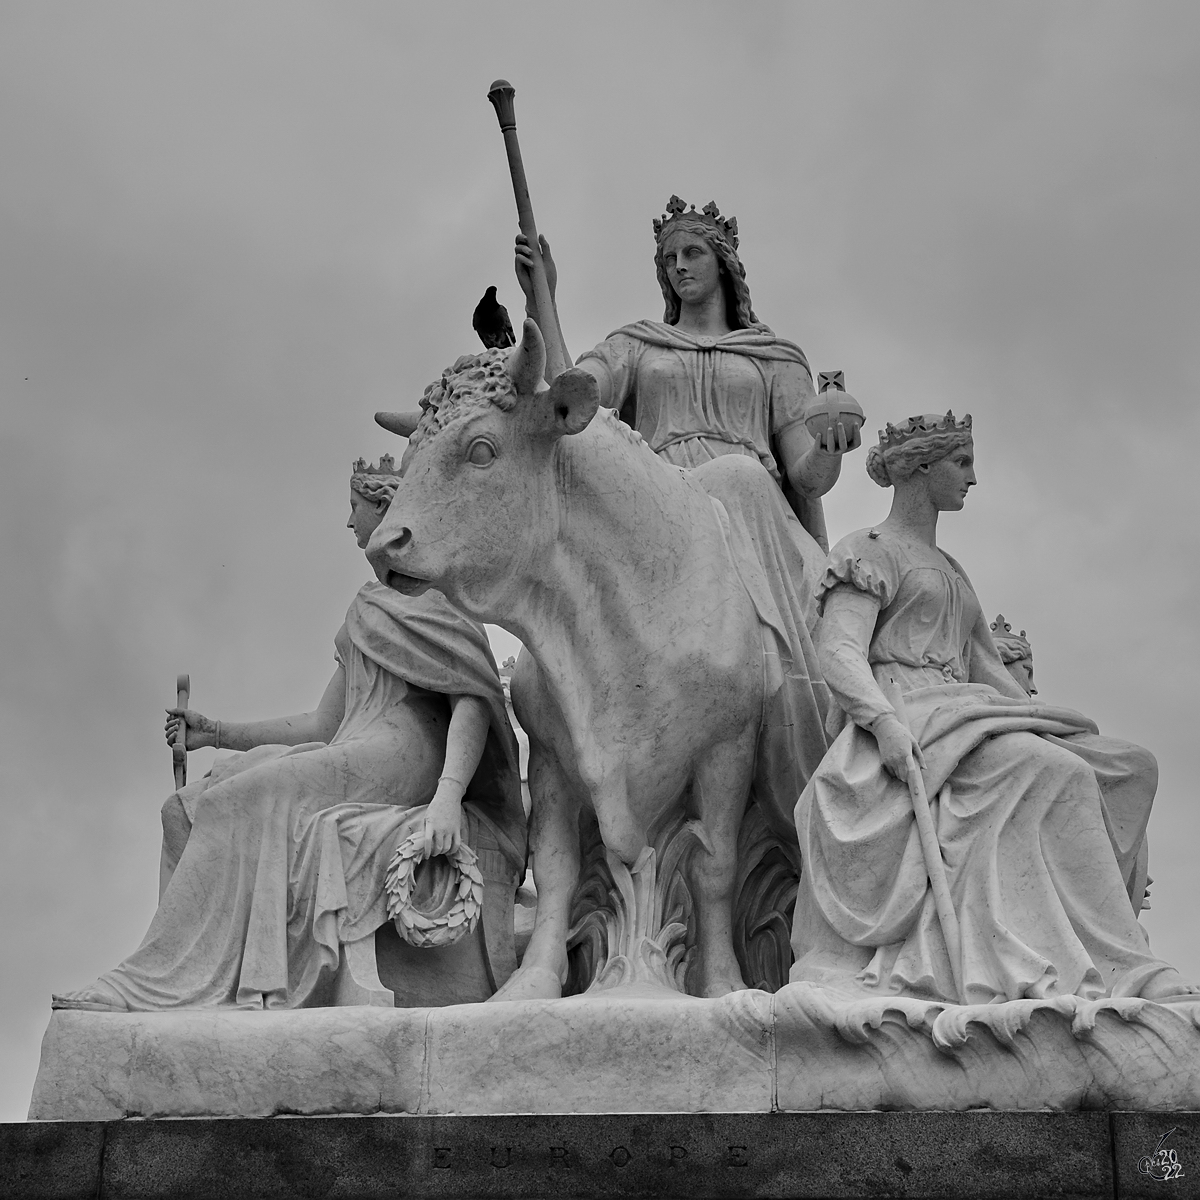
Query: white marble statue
point(1127, 773)
point(666, 677)
point(1037, 906)
point(279, 855)
point(710, 379)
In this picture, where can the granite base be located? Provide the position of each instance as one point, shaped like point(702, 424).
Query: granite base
point(968, 1156)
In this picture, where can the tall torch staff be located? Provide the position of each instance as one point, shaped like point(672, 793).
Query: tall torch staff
point(502, 97)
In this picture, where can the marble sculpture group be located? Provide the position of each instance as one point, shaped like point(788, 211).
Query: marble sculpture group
point(754, 762)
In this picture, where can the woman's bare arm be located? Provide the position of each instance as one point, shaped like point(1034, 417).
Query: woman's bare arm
point(811, 468)
point(465, 740)
point(842, 646)
point(548, 323)
point(843, 641)
point(317, 726)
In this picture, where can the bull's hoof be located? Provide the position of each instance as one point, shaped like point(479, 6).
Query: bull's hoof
point(713, 984)
point(530, 983)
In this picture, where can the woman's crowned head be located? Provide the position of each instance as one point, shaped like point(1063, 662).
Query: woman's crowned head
point(377, 484)
point(720, 234)
point(371, 492)
point(917, 442)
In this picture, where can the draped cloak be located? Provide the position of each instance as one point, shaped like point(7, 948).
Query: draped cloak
point(694, 397)
point(279, 854)
point(708, 404)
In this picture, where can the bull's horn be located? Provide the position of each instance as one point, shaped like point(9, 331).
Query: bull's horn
point(402, 423)
point(527, 363)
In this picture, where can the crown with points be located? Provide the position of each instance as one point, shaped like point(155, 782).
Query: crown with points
point(710, 215)
point(897, 435)
point(1002, 629)
point(387, 467)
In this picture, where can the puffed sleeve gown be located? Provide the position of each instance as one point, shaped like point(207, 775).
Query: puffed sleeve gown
point(280, 853)
point(1040, 898)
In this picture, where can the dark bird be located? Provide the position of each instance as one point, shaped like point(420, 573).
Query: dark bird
point(491, 322)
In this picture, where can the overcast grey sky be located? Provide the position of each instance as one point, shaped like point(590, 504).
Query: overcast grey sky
point(230, 232)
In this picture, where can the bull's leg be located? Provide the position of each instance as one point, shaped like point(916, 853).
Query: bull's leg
point(554, 839)
point(719, 791)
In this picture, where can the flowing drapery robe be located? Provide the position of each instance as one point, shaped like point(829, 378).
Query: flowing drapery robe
point(1040, 899)
point(280, 853)
point(694, 398)
point(696, 401)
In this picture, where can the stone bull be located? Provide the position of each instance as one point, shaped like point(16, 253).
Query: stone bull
point(644, 687)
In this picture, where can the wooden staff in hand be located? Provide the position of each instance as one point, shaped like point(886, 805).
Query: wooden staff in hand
point(183, 688)
point(502, 97)
point(931, 849)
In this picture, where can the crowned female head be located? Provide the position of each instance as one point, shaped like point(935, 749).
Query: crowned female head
point(371, 492)
point(907, 453)
point(679, 228)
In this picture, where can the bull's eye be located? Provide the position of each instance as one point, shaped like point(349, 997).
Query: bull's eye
point(480, 453)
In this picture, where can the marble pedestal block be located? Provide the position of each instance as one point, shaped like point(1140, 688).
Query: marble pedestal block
point(622, 1051)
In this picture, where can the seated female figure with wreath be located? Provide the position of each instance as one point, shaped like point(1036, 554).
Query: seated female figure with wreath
point(280, 855)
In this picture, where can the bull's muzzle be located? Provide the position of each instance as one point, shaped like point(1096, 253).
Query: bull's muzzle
point(386, 554)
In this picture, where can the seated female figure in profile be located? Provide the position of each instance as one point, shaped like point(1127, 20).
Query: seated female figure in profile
point(280, 853)
point(1034, 884)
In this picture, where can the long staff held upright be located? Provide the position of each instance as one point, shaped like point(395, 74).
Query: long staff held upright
point(183, 690)
point(502, 97)
point(935, 868)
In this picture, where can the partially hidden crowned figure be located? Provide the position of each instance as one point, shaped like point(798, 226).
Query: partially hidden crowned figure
point(1127, 773)
point(1018, 892)
point(280, 856)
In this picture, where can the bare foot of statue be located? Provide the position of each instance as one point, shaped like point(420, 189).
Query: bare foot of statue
point(96, 997)
point(530, 983)
point(1169, 985)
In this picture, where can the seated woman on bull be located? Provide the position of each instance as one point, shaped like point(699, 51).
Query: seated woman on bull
point(711, 380)
point(279, 855)
point(1022, 876)
point(712, 390)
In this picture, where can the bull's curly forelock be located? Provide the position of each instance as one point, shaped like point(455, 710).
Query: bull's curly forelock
point(473, 381)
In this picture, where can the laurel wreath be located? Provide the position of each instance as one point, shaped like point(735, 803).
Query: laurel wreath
point(457, 904)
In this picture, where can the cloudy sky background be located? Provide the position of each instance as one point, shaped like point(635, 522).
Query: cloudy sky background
point(229, 233)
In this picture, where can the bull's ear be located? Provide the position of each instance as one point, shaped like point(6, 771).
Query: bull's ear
point(404, 424)
point(571, 401)
point(527, 363)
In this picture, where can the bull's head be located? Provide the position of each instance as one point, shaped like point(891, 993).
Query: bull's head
point(478, 499)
